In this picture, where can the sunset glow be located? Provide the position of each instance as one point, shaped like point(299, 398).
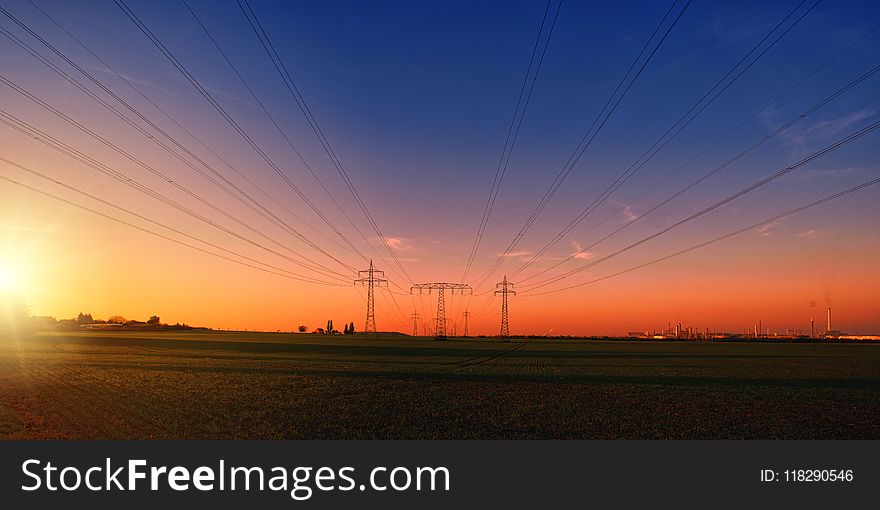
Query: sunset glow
point(418, 128)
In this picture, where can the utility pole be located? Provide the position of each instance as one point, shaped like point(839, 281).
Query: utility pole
point(371, 278)
point(415, 317)
point(504, 288)
point(440, 287)
point(466, 315)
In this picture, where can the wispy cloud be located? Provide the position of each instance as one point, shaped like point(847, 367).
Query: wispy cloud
point(398, 243)
point(515, 254)
point(768, 230)
point(802, 138)
point(821, 173)
point(829, 128)
point(132, 79)
point(814, 233)
point(579, 253)
point(626, 210)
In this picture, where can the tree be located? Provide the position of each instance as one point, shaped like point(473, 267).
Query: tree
point(117, 319)
point(302, 329)
point(154, 319)
point(345, 332)
point(330, 326)
point(84, 318)
point(351, 328)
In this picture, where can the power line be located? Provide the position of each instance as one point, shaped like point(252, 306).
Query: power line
point(441, 287)
point(588, 137)
point(822, 152)
point(679, 125)
point(703, 152)
point(259, 209)
point(271, 118)
point(53, 143)
point(189, 132)
point(720, 238)
point(157, 223)
point(300, 101)
point(512, 132)
point(162, 236)
point(231, 121)
point(715, 170)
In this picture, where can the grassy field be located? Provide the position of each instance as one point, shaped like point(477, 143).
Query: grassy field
point(268, 386)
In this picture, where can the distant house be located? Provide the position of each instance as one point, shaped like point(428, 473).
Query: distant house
point(68, 323)
point(43, 321)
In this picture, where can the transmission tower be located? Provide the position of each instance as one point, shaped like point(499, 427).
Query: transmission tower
point(441, 287)
point(371, 278)
point(415, 317)
point(466, 315)
point(505, 288)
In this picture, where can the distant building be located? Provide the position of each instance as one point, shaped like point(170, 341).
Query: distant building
point(43, 321)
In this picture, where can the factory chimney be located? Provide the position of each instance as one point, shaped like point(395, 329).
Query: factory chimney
point(828, 326)
point(812, 328)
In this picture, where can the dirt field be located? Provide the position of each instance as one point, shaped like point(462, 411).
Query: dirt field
point(268, 386)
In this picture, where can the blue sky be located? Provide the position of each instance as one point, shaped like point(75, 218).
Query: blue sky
point(416, 98)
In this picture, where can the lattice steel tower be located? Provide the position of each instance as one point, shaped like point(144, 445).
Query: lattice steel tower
point(466, 315)
point(371, 278)
point(504, 288)
point(415, 317)
point(440, 287)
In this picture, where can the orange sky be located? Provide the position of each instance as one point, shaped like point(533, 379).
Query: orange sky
point(421, 144)
point(65, 261)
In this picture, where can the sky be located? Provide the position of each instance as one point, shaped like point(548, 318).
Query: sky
point(416, 101)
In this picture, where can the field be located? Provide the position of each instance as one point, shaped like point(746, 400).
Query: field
point(213, 385)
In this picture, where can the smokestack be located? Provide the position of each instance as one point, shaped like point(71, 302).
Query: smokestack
point(828, 327)
point(812, 328)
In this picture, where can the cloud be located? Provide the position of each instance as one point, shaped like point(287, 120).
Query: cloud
point(768, 229)
point(626, 211)
point(132, 79)
point(579, 253)
point(829, 128)
point(819, 173)
point(398, 244)
point(822, 131)
point(814, 233)
point(514, 254)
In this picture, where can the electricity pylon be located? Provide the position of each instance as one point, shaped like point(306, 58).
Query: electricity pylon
point(466, 314)
point(504, 288)
point(440, 287)
point(371, 278)
point(415, 317)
